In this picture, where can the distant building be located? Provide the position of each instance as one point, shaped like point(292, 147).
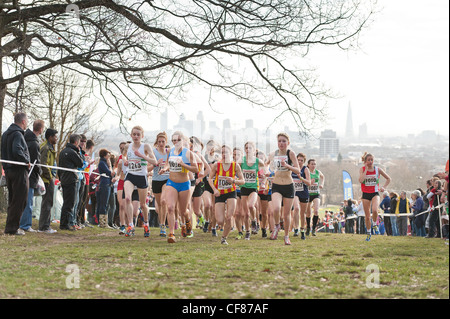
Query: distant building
point(164, 120)
point(363, 131)
point(349, 125)
point(329, 144)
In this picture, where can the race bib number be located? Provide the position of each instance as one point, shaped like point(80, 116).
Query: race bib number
point(223, 183)
point(298, 185)
point(277, 160)
point(370, 181)
point(175, 167)
point(134, 165)
point(313, 188)
point(249, 176)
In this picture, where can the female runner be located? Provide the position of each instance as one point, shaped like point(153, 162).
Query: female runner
point(369, 177)
point(302, 181)
point(223, 174)
point(283, 192)
point(316, 184)
point(181, 161)
point(138, 156)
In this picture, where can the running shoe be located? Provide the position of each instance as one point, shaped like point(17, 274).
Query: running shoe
point(146, 231)
point(188, 228)
point(302, 232)
point(287, 241)
point(264, 233)
point(162, 232)
point(369, 235)
point(171, 239)
point(274, 235)
point(205, 227)
point(307, 231)
point(213, 232)
point(183, 231)
point(240, 236)
point(201, 222)
point(313, 232)
point(295, 232)
point(247, 235)
point(130, 231)
point(123, 230)
point(223, 241)
point(254, 231)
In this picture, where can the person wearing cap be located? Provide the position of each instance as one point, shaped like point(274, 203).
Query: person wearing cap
point(14, 148)
point(48, 157)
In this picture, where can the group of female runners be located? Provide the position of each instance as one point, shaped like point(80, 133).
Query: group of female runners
point(226, 187)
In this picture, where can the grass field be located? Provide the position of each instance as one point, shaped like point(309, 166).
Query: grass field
point(325, 266)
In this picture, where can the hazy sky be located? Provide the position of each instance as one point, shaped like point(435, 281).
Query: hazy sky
point(397, 83)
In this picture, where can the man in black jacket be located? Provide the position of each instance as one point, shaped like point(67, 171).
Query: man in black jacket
point(31, 138)
point(14, 148)
point(69, 158)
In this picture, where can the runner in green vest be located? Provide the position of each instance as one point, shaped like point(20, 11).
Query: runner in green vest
point(317, 181)
point(249, 191)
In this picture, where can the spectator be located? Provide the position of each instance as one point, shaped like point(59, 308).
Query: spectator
point(104, 187)
point(31, 138)
point(417, 208)
point(394, 200)
point(434, 201)
point(69, 158)
point(361, 228)
point(349, 220)
point(14, 148)
point(402, 208)
point(87, 146)
point(111, 207)
point(385, 205)
point(48, 157)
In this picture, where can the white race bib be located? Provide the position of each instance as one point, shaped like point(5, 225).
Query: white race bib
point(277, 163)
point(223, 183)
point(249, 176)
point(175, 167)
point(298, 185)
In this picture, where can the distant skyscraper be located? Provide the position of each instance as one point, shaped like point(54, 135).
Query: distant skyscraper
point(164, 120)
point(363, 131)
point(249, 123)
point(329, 144)
point(201, 122)
point(349, 125)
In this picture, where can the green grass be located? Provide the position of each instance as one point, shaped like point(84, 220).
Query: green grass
point(326, 266)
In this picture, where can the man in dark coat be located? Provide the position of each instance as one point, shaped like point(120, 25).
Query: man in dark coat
point(14, 148)
point(69, 158)
point(31, 138)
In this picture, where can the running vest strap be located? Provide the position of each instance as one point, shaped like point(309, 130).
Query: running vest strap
point(222, 185)
point(315, 178)
point(156, 169)
point(299, 186)
point(250, 173)
point(173, 161)
point(136, 165)
point(370, 183)
point(277, 161)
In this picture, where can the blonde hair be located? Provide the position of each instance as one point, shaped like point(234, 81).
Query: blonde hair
point(139, 128)
point(284, 135)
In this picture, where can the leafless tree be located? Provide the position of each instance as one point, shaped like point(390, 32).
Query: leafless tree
point(144, 54)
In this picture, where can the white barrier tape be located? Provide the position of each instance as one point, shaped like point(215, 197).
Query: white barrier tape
point(55, 167)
